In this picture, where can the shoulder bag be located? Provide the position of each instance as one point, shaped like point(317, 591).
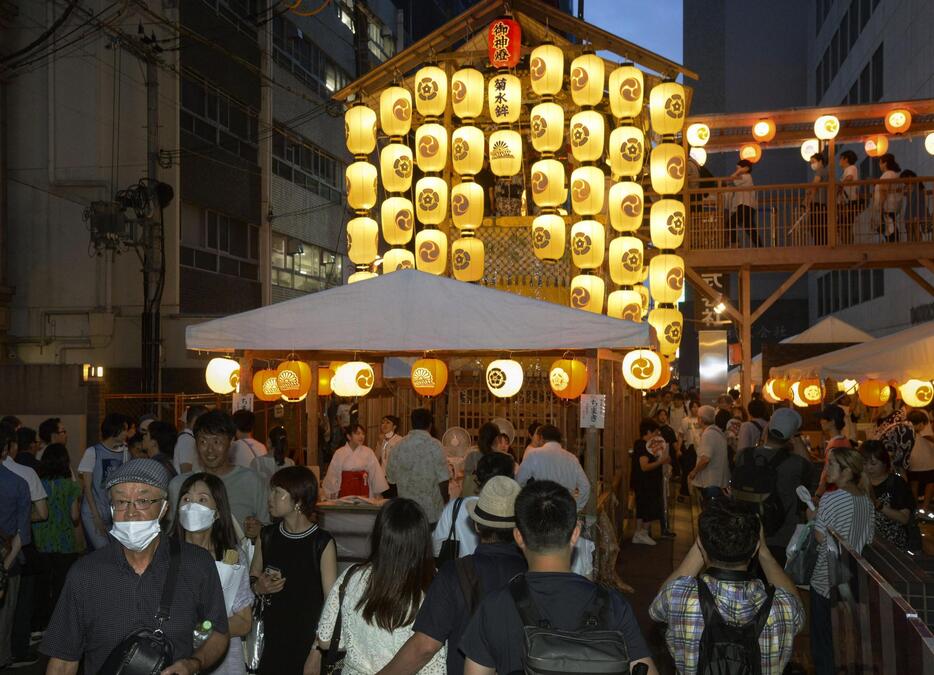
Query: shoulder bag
point(450, 547)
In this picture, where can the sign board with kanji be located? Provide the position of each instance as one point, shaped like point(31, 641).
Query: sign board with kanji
point(593, 411)
point(504, 41)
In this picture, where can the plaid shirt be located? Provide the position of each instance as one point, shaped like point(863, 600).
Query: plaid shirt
point(677, 605)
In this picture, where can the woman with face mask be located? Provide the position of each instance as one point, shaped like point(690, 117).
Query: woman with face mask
point(204, 520)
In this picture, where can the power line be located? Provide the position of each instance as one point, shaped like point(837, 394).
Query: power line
point(45, 34)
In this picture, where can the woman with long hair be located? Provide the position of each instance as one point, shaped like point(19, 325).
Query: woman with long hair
point(382, 596)
point(889, 493)
point(204, 520)
point(486, 442)
point(849, 512)
point(276, 459)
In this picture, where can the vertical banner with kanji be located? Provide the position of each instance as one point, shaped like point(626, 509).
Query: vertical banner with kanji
point(703, 306)
point(505, 43)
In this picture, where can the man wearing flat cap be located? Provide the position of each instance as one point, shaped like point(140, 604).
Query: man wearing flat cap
point(115, 591)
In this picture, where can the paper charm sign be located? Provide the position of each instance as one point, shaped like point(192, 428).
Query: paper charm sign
point(593, 411)
point(242, 402)
point(504, 42)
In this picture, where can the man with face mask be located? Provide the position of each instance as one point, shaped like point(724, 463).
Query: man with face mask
point(123, 583)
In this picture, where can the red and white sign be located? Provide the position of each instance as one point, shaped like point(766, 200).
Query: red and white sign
point(504, 41)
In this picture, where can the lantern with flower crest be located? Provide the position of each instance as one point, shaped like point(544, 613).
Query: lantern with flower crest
point(431, 91)
point(568, 378)
point(548, 237)
point(667, 108)
point(467, 146)
point(396, 164)
point(467, 257)
point(587, 133)
point(626, 260)
point(588, 244)
point(666, 220)
point(626, 151)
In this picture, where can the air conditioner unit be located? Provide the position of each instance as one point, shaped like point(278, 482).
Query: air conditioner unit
point(294, 247)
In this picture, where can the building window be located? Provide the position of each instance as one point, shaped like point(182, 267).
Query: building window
point(878, 73)
point(219, 120)
point(841, 289)
point(345, 13)
point(303, 266)
point(299, 160)
point(215, 242)
point(839, 46)
point(240, 13)
point(303, 58)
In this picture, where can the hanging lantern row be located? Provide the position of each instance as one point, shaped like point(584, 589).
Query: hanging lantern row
point(872, 392)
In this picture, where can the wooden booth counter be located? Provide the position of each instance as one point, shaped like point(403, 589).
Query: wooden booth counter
point(350, 523)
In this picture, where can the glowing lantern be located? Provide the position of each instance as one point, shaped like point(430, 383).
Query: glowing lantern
point(467, 93)
point(826, 127)
point(360, 129)
point(504, 377)
point(848, 386)
point(431, 91)
point(666, 278)
point(876, 146)
point(768, 394)
point(324, 381)
point(809, 148)
point(626, 204)
point(397, 216)
point(362, 240)
point(586, 80)
point(361, 186)
point(666, 375)
point(781, 388)
point(395, 111)
point(644, 294)
point(467, 259)
point(699, 155)
point(293, 378)
point(505, 152)
point(361, 275)
point(874, 393)
point(431, 251)
point(587, 134)
point(548, 233)
point(667, 168)
point(666, 222)
point(546, 127)
point(667, 108)
point(898, 121)
point(431, 200)
point(467, 146)
point(668, 324)
point(588, 243)
point(504, 98)
point(587, 291)
point(698, 134)
point(429, 377)
point(467, 205)
point(750, 151)
point(504, 43)
point(642, 368)
point(264, 385)
point(354, 378)
point(625, 304)
point(431, 143)
point(626, 87)
point(222, 375)
point(626, 255)
point(398, 259)
point(547, 183)
point(810, 391)
point(395, 165)
point(626, 151)
point(763, 130)
point(917, 393)
point(546, 69)
point(929, 143)
point(568, 378)
point(795, 397)
point(587, 190)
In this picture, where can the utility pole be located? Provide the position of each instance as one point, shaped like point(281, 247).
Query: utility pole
point(153, 253)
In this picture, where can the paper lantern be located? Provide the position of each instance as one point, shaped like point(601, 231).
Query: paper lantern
point(467, 205)
point(504, 377)
point(505, 152)
point(547, 183)
point(626, 255)
point(667, 108)
point(361, 275)
point(293, 378)
point(874, 393)
point(669, 325)
point(848, 386)
point(467, 147)
point(626, 151)
point(431, 147)
point(626, 86)
point(360, 129)
point(876, 146)
point(504, 98)
point(362, 240)
point(794, 395)
point(548, 233)
point(587, 134)
point(781, 388)
point(429, 377)
point(826, 127)
point(222, 375)
point(929, 143)
point(666, 222)
point(586, 80)
point(698, 134)
point(395, 111)
point(397, 216)
point(666, 278)
point(398, 259)
point(625, 206)
point(763, 131)
point(667, 168)
point(809, 148)
point(625, 304)
point(665, 378)
point(587, 291)
point(546, 127)
point(642, 368)
point(898, 121)
point(644, 294)
point(395, 166)
point(431, 200)
point(751, 152)
point(431, 251)
point(264, 385)
point(361, 186)
point(324, 381)
point(431, 91)
point(546, 69)
point(917, 393)
point(811, 391)
point(588, 243)
point(354, 378)
point(699, 155)
point(467, 93)
point(767, 394)
point(568, 378)
point(587, 190)
point(467, 259)
point(504, 43)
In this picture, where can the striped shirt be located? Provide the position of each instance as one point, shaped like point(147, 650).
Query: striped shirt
point(852, 517)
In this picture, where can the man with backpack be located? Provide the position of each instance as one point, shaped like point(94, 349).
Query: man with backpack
point(721, 617)
point(550, 620)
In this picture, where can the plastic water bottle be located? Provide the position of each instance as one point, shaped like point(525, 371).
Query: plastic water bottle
point(202, 632)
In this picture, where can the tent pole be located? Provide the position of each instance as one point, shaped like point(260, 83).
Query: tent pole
point(592, 441)
point(311, 415)
point(746, 335)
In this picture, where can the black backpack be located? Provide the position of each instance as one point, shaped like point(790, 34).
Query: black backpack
point(726, 649)
point(755, 482)
point(591, 649)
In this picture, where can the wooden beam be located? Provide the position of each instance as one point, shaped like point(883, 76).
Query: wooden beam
point(779, 292)
point(904, 254)
point(745, 340)
point(698, 282)
point(926, 264)
point(918, 279)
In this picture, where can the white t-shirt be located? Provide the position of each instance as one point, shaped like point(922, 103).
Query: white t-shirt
point(850, 192)
point(744, 197)
point(36, 491)
point(266, 466)
point(244, 450)
point(893, 196)
point(186, 452)
point(922, 454)
point(713, 445)
point(552, 462)
point(361, 458)
point(689, 432)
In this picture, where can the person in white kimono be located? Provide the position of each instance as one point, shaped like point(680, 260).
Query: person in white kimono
point(354, 466)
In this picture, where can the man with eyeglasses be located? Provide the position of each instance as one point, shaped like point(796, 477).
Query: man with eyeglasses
point(115, 591)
